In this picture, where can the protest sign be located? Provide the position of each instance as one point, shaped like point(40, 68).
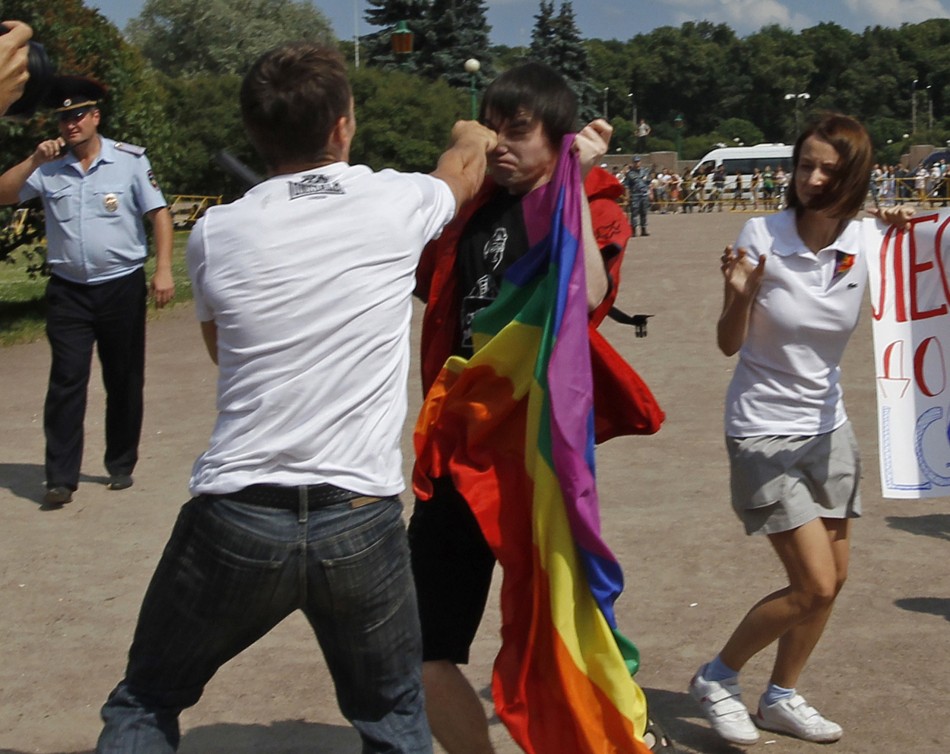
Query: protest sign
point(909, 285)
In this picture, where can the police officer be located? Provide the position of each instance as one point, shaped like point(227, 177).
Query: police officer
point(94, 192)
point(637, 181)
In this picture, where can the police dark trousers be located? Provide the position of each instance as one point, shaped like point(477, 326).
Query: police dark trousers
point(110, 315)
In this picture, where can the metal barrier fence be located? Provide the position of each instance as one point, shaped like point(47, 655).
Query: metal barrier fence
point(186, 209)
point(933, 193)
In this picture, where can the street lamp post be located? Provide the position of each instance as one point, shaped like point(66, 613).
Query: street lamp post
point(798, 100)
point(356, 34)
point(678, 125)
point(472, 67)
point(606, 92)
point(633, 109)
point(913, 107)
point(930, 110)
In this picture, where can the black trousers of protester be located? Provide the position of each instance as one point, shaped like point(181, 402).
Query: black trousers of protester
point(110, 315)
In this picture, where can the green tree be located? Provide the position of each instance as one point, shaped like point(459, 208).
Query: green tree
point(543, 33)
point(610, 69)
point(571, 56)
point(778, 62)
point(207, 118)
point(457, 30)
point(505, 57)
point(836, 51)
point(694, 70)
point(556, 41)
point(403, 121)
point(183, 37)
point(745, 131)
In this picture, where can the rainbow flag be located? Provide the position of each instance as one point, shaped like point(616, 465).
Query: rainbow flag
point(514, 427)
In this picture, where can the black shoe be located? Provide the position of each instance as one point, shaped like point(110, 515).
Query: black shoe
point(58, 496)
point(119, 482)
point(644, 232)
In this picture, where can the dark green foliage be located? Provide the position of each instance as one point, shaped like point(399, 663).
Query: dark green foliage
point(709, 75)
point(207, 116)
point(403, 122)
point(542, 36)
point(457, 30)
point(556, 41)
point(507, 57)
point(446, 34)
point(184, 37)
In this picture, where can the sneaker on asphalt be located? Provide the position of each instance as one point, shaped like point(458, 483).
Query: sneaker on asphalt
point(722, 705)
point(798, 718)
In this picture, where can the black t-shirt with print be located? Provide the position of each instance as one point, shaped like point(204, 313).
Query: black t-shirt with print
point(494, 238)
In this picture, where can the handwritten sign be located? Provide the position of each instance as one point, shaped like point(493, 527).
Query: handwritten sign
point(909, 284)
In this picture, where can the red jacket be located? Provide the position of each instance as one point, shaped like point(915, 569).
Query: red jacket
point(623, 404)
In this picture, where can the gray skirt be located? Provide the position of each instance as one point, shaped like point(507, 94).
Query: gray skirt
point(781, 482)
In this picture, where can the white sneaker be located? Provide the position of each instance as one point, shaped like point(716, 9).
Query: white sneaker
point(798, 718)
point(722, 705)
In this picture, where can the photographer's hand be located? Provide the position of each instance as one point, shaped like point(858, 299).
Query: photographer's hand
point(14, 72)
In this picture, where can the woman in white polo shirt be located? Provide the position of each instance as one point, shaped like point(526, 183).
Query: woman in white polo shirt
point(793, 290)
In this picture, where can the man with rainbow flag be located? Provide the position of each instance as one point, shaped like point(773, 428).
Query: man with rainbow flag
point(519, 385)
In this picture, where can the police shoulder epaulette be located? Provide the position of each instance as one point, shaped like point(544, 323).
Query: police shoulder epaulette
point(130, 148)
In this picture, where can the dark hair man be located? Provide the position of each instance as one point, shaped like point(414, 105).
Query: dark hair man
point(94, 192)
point(303, 290)
point(531, 108)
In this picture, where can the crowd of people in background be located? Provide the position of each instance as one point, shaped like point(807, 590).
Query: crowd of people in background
point(666, 191)
point(895, 184)
point(658, 189)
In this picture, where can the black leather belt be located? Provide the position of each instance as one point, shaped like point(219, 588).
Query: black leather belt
point(291, 498)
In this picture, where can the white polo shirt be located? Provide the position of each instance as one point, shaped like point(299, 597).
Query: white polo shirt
point(308, 279)
point(787, 380)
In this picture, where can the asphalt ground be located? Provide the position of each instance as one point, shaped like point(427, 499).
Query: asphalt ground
point(72, 579)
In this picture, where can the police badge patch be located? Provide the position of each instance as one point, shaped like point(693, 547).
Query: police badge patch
point(153, 180)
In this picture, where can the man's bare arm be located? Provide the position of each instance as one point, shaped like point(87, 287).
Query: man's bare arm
point(591, 145)
point(162, 286)
point(462, 166)
point(13, 180)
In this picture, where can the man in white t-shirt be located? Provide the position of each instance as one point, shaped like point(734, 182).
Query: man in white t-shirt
point(303, 291)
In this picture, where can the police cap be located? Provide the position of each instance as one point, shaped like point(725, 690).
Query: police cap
point(75, 94)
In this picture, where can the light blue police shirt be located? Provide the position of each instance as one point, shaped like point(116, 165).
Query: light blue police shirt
point(94, 227)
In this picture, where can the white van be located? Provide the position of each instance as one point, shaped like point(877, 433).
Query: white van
point(745, 160)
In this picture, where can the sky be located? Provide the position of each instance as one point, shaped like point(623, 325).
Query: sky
point(512, 20)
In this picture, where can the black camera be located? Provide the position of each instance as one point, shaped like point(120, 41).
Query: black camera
point(42, 74)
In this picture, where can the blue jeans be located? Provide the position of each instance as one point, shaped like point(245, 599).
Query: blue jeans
point(231, 572)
